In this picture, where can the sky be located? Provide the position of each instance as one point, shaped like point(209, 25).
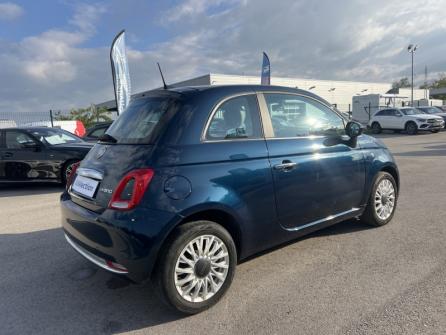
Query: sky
point(55, 54)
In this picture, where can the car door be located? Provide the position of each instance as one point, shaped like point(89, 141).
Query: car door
point(21, 156)
point(381, 118)
point(394, 119)
point(399, 121)
point(316, 175)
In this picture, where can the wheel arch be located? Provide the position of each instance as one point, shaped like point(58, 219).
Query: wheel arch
point(221, 217)
point(410, 121)
point(394, 173)
point(217, 215)
point(64, 165)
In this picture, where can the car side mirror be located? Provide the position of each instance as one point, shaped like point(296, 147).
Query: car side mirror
point(353, 129)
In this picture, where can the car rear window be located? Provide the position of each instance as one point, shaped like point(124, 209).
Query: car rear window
point(142, 119)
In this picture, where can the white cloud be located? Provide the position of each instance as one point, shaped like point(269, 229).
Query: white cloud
point(10, 11)
point(192, 8)
point(85, 17)
point(52, 69)
point(348, 40)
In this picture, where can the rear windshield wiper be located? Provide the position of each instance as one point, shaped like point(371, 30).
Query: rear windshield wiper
point(107, 138)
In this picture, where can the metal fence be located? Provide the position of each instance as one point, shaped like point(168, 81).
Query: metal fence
point(346, 109)
point(48, 118)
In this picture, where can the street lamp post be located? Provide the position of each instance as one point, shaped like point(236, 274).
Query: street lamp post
point(411, 48)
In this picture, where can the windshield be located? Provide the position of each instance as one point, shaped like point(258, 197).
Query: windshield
point(54, 136)
point(138, 123)
point(431, 110)
point(410, 111)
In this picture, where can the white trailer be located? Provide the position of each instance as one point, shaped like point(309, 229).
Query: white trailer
point(365, 106)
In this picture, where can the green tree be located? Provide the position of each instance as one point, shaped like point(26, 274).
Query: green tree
point(99, 114)
point(402, 83)
point(88, 116)
point(440, 82)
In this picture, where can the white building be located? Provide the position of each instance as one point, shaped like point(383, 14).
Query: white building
point(336, 92)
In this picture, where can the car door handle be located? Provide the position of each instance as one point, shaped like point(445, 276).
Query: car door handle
point(286, 165)
point(7, 155)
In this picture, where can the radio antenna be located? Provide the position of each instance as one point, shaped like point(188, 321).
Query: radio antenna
point(162, 77)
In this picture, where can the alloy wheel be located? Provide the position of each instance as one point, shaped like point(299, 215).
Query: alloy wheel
point(201, 268)
point(384, 199)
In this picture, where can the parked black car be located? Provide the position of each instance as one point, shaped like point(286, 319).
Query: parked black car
point(93, 133)
point(39, 154)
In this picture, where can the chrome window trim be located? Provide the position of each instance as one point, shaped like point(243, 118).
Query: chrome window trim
point(215, 109)
point(268, 117)
point(90, 173)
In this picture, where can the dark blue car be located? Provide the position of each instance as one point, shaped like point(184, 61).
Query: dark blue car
point(189, 181)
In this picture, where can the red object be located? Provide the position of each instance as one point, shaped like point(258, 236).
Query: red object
point(80, 129)
point(116, 266)
point(72, 173)
point(142, 178)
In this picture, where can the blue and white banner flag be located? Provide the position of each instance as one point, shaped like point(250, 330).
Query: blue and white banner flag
point(120, 72)
point(266, 71)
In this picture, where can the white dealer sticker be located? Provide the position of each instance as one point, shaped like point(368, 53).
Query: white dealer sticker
point(85, 186)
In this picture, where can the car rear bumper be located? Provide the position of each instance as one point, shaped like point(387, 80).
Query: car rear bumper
point(125, 243)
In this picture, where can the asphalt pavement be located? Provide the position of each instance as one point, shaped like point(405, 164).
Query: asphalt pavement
point(346, 279)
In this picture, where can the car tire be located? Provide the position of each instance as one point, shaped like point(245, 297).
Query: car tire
point(382, 201)
point(192, 283)
point(411, 128)
point(376, 128)
point(66, 169)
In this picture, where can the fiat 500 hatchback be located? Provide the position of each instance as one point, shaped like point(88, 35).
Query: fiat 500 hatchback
point(189, 181)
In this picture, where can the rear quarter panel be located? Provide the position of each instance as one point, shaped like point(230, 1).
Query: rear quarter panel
point(233, 177)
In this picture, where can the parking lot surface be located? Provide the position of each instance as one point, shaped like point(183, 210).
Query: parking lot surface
point(347, 279)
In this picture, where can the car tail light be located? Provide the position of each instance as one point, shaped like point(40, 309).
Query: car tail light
point(70, 177)
point(131, 189)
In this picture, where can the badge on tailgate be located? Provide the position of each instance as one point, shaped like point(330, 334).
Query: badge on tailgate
point(85, 186)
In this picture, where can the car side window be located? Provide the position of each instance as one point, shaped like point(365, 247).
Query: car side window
point(382, 113)
point(98, 132)
point(392, 112)
point(236, 118)
point(17, 139)
point(298, 116)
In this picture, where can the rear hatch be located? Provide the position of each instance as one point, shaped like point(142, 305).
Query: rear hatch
point(120, 163)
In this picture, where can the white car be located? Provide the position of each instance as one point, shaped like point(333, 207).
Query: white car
point(409, 119)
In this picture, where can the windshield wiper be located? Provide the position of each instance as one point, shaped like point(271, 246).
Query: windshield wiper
point(107, 138)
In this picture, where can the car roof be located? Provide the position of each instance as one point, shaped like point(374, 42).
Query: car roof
point(30, 128)
point(34, 128)
point(233, 89)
